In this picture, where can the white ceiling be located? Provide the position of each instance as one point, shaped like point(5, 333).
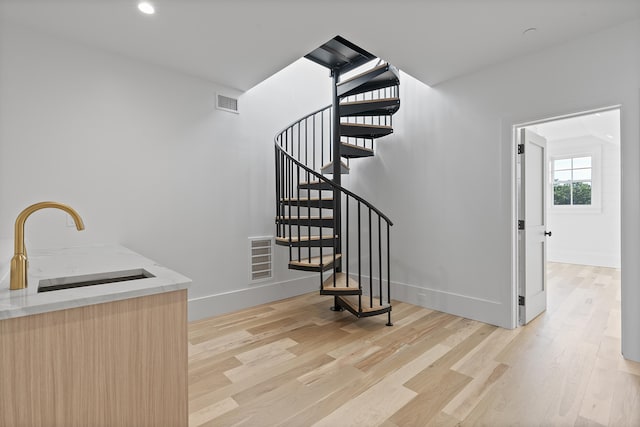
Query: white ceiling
point(604, 125)
point(239, 43)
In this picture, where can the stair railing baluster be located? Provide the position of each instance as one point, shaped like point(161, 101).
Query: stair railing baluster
point(359, 249)
point(306, 144)
point(278, 199)
point(380, 258)
point(346, 260)
point(389, 271)
point(298, 140)
point(321, 140)
point(289, 210)
point(370, 265)
point(297, 209)
point(309, 223)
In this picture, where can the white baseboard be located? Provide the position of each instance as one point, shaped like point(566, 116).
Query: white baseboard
point(492, 312)
point(226, 302)
point(597, 259)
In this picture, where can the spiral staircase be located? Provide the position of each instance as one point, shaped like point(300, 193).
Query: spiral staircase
point(327, 228)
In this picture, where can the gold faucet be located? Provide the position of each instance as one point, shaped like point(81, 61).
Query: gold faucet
point(19, 260)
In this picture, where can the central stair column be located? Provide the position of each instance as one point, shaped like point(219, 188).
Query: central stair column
point(337, 173)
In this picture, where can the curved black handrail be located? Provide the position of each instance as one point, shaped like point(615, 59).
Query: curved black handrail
point(320, 176)
point(327, 180)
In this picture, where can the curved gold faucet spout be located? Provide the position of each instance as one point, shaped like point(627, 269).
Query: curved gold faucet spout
point(19, 260)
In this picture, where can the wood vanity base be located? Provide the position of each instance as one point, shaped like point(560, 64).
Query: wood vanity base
point(120, 363)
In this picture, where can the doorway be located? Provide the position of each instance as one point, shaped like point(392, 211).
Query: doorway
point(567, 202)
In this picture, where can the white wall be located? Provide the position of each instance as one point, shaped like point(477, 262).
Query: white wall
point(147, 160)
point(452, 156)
point(588, 235)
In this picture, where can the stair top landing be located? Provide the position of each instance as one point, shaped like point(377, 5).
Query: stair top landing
point(339, 53)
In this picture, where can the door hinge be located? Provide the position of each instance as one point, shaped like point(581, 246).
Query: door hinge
point(520, 300)
point(520, 148)
point(521, 224)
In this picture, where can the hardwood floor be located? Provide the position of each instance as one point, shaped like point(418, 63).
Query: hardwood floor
point(296, 363)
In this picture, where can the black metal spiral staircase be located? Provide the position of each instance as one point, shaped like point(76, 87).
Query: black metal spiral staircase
point(327, 228)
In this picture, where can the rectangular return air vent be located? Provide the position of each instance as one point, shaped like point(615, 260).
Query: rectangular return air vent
point(260, 254)
point(227, 103)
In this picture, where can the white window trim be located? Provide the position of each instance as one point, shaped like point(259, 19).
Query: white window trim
point(595, 153)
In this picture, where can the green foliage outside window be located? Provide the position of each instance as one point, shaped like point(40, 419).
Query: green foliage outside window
point(572, 181)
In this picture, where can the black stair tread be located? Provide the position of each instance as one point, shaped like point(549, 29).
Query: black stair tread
point(352, 301)
point(355, 151)
point(366, 126)
point(302, 217)
point(343, 284)
point(340, 53)
point(370, 107)
point(306, 199)
point(382, 76)
point(361, 130)
point(295, 239)
point(315, 262)
point(315, 185)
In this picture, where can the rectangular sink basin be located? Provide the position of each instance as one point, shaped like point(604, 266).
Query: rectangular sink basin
point(47, 285)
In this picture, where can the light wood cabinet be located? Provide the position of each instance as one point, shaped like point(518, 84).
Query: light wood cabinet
point(121, 363)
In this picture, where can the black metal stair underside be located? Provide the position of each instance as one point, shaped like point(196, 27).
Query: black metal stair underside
point(339, 53)
point(370, 107)
point(315, 185)
point(317, 263)
point(311, 202)
point(326, 241)
point(358, 130)
point(351, 151)
point(380, 77)
point(309, 221)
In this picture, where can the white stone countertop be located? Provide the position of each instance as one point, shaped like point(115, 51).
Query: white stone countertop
point(80, 261)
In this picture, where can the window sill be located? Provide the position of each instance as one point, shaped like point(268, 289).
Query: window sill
point(575, 210)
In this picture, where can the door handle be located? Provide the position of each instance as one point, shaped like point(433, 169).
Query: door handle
point(547, 233)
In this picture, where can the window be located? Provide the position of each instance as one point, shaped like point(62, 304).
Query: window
point(572, 181)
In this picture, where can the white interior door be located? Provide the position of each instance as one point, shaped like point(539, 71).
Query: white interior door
point(533, 211)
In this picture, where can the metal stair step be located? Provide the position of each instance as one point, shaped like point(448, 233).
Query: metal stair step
point(351, 303)
point(310, 202)
point(355, 151)
point(327, 240)
point(315, 185)
point(343, 285)
point(359, 130)
point(315, 263)
point(383, 76)
point(313, 221)
point(370, 107)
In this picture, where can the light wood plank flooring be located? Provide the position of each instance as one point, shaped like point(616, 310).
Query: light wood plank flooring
point(296, 363)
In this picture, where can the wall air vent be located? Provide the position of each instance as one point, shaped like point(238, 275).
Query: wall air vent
point(260, 252)
point(227, 103)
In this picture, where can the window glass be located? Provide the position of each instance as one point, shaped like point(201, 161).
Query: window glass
point(582, 174)
point(582, 162)
point(572, 181)
point(562, 164)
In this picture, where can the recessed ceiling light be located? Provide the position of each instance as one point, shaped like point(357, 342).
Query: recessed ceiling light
point(609, 136)
point(529, 31)
point(598, 115)
point(146, 8)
